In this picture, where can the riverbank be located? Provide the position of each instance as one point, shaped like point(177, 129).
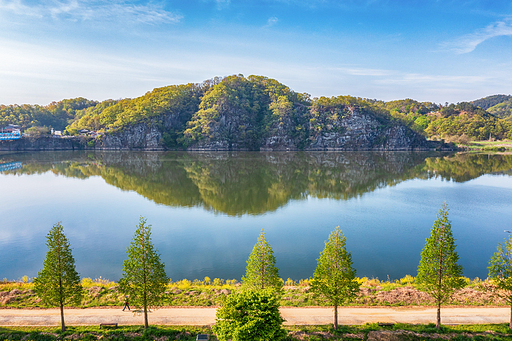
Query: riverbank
point(207, 293)
point(132, 142)
point(487, 146)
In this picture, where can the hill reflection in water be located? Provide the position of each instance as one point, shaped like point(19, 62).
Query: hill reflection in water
point(255, 183)
point(207, 209)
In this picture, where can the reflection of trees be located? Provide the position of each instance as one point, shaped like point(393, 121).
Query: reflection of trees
point(254, 183)
point(464, 167)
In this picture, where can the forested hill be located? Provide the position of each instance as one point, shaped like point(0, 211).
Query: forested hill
point(498, 105)
point(257, 112)
point(57, 115)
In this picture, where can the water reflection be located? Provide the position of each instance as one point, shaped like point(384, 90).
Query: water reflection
point(255, 183)
point(210, 208)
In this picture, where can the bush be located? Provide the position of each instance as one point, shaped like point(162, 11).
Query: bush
point(250, 315)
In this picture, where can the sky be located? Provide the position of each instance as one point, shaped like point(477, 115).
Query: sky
point(428, 50)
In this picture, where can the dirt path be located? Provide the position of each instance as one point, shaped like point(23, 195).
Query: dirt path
point(293, 316)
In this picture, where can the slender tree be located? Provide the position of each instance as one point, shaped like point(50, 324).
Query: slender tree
point(58, 283)
point(439, 274)
point(144, 279)
point(334, 277)
point(500, 271)
point(250, 315)
point(261, 271)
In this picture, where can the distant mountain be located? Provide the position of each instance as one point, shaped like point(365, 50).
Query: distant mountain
point(497, 105)
point(490, 101)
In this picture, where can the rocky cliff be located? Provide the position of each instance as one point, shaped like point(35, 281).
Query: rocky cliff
point(356, 130)
point(42, 144)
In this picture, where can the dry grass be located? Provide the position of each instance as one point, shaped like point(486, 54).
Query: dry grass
point(207, 292)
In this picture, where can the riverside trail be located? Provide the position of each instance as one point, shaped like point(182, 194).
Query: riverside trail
point(201, 316)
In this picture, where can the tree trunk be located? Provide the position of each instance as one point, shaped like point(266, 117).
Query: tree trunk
point(510, 324)
point(145, 317)
point(335, 316)
point(438, 322)
point(62, 326)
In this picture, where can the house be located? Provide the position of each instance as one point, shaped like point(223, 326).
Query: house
point(11, 128)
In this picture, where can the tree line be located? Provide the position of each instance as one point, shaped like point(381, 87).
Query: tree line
point(262, 106)
point(252, 313)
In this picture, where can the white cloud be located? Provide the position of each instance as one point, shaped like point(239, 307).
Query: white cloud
point(92, 10)
point(271, 21)
point(469, 42)
point(17, 7)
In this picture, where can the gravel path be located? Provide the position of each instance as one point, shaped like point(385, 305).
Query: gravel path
point(293, 316)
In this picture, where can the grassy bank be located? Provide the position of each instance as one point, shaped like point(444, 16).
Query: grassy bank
point(488, 146)
point(364, 332)
point(403, 292)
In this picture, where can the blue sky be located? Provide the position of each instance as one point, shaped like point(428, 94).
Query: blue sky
point(440, 51)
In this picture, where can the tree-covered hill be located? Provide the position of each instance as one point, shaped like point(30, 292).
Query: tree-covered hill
point(257, 112)
point(498, 105)
point(490, 101)
point(451, 121)
point(56, 115)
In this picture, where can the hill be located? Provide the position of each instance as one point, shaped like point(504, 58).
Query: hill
point(260, 113)
point(498, 105)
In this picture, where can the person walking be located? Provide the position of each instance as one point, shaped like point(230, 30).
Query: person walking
point(126, 303)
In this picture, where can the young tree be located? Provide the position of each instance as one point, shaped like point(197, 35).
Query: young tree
point(500, 271)
point(438, 272)
point(261, 271)
point(58, 284)
point(144, 279)
point(250, 315)
point(334, 277)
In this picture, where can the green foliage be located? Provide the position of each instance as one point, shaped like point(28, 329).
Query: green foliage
point(38, 131)
point(500, 271)
point(258, 107)
point(500, 267)
point(502, 110)
point(250, 315)
point(334, 277)
point(261, 272)
point(144, 279)
point(58, 283)
point(438, 272)
point(490, 101)
point(56, 115)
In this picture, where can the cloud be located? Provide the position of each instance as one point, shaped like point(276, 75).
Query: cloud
point(469, 42)
point(16, 7)
point(221, 4)
point(92, 10)
point(271, 21)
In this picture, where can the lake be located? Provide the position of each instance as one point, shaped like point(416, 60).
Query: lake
point(207, 209)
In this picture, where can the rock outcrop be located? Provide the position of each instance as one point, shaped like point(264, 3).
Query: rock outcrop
point(42, 144)
point(143, 136)
point(356, 130)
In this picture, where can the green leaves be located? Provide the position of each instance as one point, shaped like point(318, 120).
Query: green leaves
point(144, 278)
point(250, 316)
point(261, 271)
point(58, 283)
point(438, 272)
point(334, 277)
point(500, 268)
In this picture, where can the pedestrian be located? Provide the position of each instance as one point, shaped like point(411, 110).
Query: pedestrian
point(126, 303)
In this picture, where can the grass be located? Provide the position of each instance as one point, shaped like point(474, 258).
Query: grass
point(359, 332)
point(491, 146)
point(374, 292)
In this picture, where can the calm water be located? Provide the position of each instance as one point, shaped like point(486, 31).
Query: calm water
point(207, 209)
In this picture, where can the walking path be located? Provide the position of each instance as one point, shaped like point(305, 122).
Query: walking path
point(293, 316)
